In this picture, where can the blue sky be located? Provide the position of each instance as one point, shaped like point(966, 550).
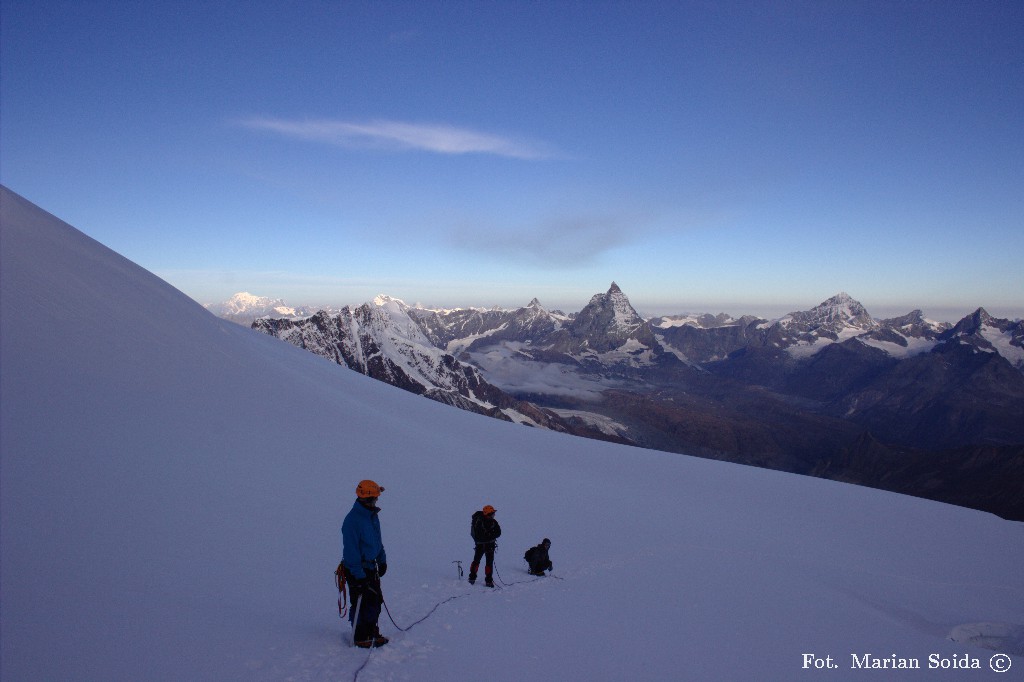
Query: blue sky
point(744, 157)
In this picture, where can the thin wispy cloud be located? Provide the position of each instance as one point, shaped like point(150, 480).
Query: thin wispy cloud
point(400, 135)
point(567, 242)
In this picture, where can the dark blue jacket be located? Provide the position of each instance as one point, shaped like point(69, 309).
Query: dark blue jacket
point(361, 544)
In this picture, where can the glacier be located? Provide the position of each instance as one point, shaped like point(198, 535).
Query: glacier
point(172, 487)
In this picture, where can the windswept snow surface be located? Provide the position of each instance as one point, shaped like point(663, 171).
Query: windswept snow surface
point(173, 485)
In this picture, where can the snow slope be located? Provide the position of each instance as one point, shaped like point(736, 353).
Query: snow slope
point(173, 484)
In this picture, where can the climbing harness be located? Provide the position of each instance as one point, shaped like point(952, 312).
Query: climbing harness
point(339, 582)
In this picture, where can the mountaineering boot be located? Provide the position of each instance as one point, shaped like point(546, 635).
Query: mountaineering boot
point(372, 642)
point(472, 572)
point(489, 582)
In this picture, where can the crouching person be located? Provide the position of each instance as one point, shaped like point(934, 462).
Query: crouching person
point(538, 559)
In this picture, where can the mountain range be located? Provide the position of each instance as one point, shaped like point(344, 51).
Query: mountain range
point(382, 340)
point(905, 404)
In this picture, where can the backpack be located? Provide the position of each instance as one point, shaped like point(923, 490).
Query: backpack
point(477, 515)
point(529, 554)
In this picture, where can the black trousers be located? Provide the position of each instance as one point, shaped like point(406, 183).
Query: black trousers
point(539, 565)
point(369, 610)
point(482, 549)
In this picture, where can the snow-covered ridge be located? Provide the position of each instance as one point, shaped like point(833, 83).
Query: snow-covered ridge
point(385, 340)
point(841, 319)
point(701, 321)
point(802, 333)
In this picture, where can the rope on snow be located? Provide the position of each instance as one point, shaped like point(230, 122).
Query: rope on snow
point(355, 676)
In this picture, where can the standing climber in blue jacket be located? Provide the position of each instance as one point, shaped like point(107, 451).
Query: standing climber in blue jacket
point(365, 563)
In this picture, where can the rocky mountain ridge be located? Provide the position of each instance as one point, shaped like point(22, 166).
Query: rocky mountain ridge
point(804, 393)
point(381, 340)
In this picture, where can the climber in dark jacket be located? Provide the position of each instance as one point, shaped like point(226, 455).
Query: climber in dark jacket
point(538, 558)
point(365, 563)
point(485, 531)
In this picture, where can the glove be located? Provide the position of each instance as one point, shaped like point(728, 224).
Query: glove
point(382, 569)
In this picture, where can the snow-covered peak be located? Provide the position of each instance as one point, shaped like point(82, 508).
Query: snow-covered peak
point(837, 315)
point(385, 300)
point(915, 324)
point(389, 318)
point(843, 309)
point(837, 319)
point(626, 316)
point(244, 298)
point(978, 321)
point(1003, 336)
point(614, 305)
point(244, 303)
point(245, 307)
point(605, 324)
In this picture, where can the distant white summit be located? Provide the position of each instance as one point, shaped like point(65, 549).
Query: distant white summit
point(244, 308)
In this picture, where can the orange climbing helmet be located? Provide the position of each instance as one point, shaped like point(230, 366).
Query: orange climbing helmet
point(368, 488)
point(487, 510)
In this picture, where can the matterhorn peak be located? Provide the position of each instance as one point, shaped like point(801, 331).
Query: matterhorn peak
point(535, 303)
point(614, 307)
point(981, 315)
